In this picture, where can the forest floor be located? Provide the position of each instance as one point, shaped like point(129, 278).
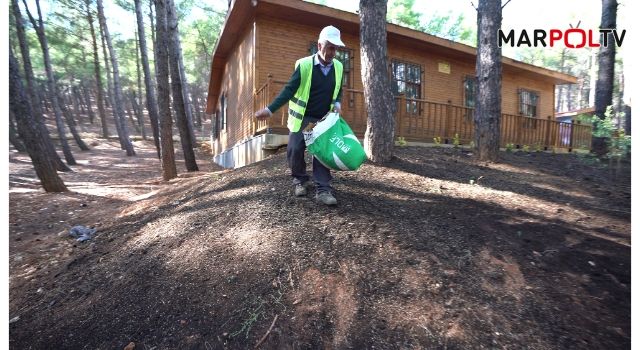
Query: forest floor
point(431, 250)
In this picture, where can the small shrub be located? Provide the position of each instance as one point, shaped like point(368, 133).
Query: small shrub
point(436, 141)
point(401, 141)
point(471, 144)
point(525, 148)
point(509, 147)
point(554, 149)
point(456, 141)
point(538, 146)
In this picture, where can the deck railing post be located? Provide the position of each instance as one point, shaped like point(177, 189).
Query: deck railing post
point(267, 99)
point(550, 124)
point(520, 127)
point(401, 108)
point(448, 121)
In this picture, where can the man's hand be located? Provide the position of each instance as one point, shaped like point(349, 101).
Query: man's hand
point(262, 114)
point(338, 110)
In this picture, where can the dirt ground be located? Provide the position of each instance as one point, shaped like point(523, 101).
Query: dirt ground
point(428, 251)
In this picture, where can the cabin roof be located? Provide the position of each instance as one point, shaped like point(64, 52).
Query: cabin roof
point(587, 111)
point(310, 13)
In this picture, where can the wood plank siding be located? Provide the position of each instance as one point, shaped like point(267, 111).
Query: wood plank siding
point(252, 66)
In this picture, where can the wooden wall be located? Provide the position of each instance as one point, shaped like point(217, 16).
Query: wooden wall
point(237, 85)
point(279, 43)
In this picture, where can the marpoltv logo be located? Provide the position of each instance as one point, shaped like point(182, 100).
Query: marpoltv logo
point(573, 38)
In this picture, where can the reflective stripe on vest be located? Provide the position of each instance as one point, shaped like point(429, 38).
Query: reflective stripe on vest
point(298, 104)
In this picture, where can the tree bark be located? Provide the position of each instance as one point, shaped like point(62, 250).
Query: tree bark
point(606, 63)
point(36, 97)
point(151, 99)
point(96, 63)
point(118, 102)
point(128, 108)
point(13, 135)
point(183, 76)
point(39, 28)
point(138, 112)
point(69, 118)
point(87, 97)
point(489, 82)
point(31, 133)
point(169, 170)
point(110, 95)
point(186, 138)
point(136, 106)
point(381, 121)
point(560, 87)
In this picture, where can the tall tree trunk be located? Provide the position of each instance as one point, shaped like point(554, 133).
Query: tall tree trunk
point(87, 98)
point(42, 97)
point(186, 132)
point(381, 121)
point(128, 108)
point(196, 105)
point(13, 135)
point(151, 99)
point(169, 170)
point(39, 28)
point(136, 106)
point(74, 103)
point(80, 99)
point(110, 95)
point(593, 73)
point(173, 29)
point(560, 87)
point(36, 97)
point(67, 114)
point(580, 90)
point(119, 102)
point(606, 63)
point(138, 112)
point(98, 76)
point(489, 82)
point(567, 96)
point(31, 133)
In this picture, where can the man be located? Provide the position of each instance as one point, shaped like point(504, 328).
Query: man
point(315, 88)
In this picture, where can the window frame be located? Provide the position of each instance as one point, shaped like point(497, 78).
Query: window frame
point(524, 106)
point(395, 89)
point(224, 103)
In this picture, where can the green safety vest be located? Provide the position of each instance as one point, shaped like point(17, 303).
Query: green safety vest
point(298, 104)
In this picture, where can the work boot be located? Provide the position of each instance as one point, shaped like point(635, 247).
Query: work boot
point(326, 198)
point(300, 190)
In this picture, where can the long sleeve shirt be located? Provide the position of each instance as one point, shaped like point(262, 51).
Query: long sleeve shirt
point(320, 95)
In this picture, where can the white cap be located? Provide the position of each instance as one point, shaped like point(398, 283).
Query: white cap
point(331, 34)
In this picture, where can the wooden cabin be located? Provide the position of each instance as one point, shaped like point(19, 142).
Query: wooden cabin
point(432, 80)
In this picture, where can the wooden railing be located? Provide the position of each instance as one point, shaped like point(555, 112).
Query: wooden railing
point(422, 121)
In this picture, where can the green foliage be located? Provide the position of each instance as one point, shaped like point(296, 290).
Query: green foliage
point(449, 26)
point(525, 148)
point(538, 146)
point(618, 143)
point(436, 141)
point(509, 147)
point(456, 141)
point(554, 149)
point(471, 144)
point(401, 141)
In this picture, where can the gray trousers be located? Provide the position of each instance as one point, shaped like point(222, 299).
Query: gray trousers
point(295, 157)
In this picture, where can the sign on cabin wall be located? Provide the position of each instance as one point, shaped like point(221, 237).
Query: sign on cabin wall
point(444, 67)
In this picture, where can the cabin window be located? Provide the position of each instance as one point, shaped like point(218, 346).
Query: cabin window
point(469, 96)
point(344, 55)
point(528, 103)
point(223, 116)
point(407, 79)
point(216, 127)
